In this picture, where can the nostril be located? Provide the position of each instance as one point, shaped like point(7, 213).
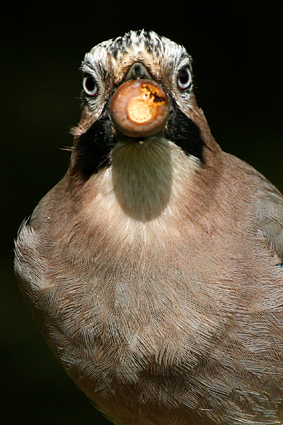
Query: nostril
point(138, 71)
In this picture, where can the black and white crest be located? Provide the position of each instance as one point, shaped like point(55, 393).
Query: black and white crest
point(159, 54)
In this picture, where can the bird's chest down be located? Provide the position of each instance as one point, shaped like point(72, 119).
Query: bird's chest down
point(134, 331)
point(156, 332)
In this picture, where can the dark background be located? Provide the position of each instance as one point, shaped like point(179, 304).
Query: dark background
point(238, 56)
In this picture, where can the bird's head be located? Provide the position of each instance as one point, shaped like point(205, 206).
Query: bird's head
point(139, 111)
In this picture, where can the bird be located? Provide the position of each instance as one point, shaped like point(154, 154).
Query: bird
point(154, 267)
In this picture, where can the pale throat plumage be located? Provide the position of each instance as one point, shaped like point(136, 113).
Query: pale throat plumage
point(147, 180)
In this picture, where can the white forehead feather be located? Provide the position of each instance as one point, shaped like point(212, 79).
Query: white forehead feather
point(145, 46)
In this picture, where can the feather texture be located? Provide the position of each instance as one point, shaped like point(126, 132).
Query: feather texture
point(153, 268)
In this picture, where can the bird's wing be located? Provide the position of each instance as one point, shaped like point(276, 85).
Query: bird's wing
point(269, 213)
point(28, 262)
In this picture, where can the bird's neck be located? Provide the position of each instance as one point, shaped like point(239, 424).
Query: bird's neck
point(147, 178)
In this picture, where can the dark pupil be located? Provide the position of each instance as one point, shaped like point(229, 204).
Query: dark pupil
point(89, 84)
point(183, 77)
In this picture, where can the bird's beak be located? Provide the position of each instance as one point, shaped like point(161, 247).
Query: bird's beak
point(137, 72)
point(139, 107)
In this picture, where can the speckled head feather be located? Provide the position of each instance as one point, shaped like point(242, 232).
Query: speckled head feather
point(112, 58)
point(107, 66)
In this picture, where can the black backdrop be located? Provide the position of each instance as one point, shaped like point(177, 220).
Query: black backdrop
point(238, 56)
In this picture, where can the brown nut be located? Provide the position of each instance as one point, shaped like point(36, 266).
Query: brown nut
point(139, 108)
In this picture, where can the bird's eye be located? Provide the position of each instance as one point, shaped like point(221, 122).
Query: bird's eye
point(184, 78)
point(89, 85)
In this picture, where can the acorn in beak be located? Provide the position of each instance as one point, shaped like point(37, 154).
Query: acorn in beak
point(139, 107)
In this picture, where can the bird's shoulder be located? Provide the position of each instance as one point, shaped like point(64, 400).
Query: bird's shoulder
point(265, 200)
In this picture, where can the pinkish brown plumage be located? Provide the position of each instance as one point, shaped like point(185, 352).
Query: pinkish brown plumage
point(153, 268)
